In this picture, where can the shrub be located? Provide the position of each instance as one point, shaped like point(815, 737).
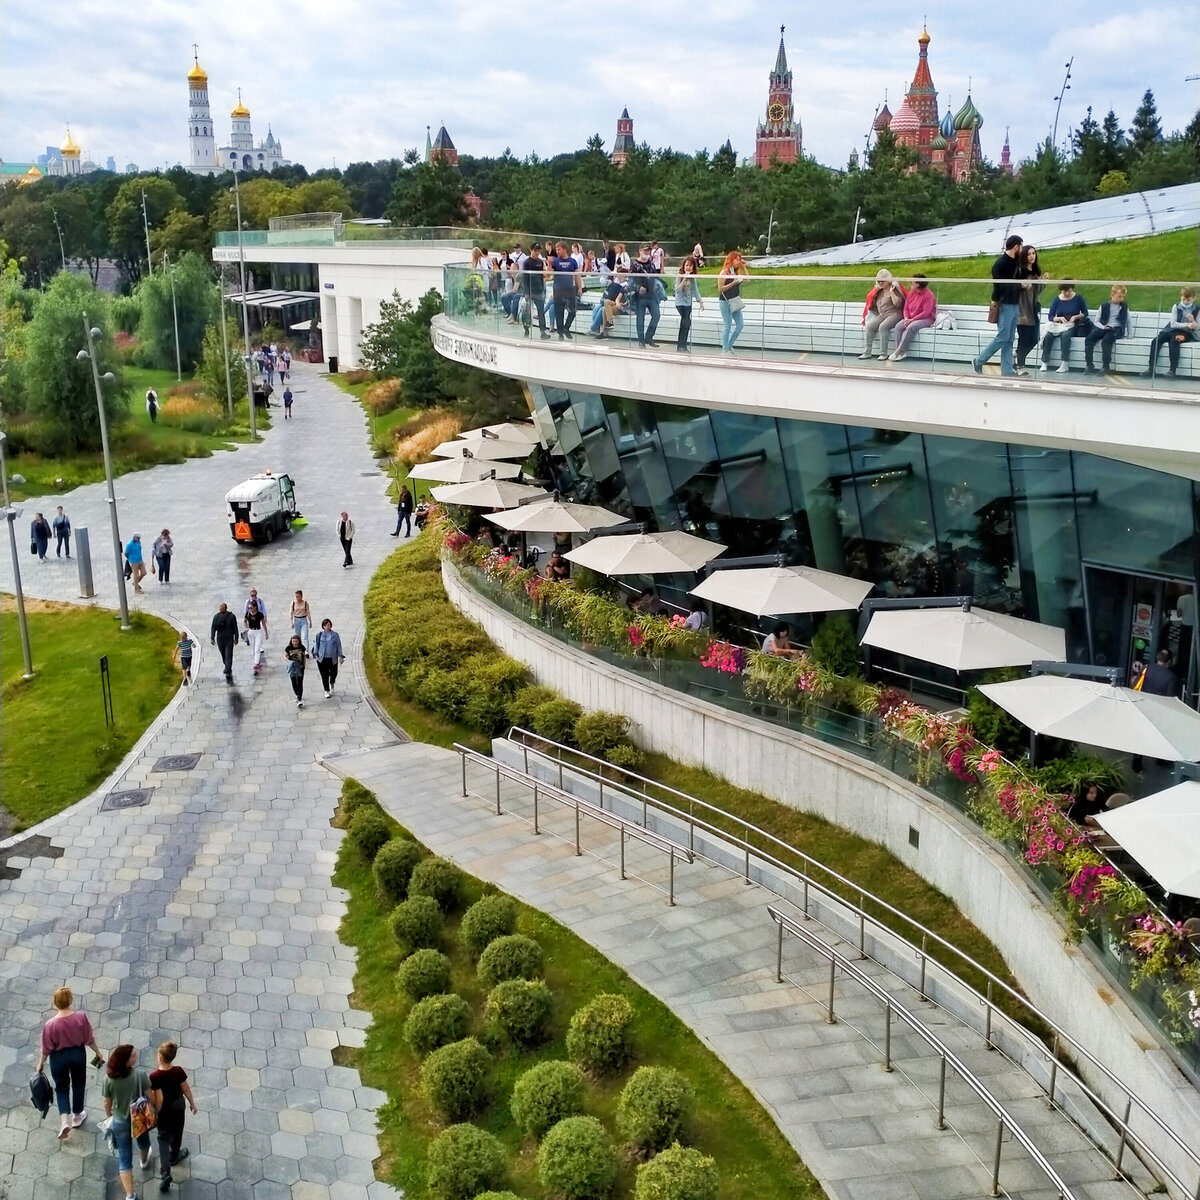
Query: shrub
point(439, 878)
point(525, 701)
point(598, 1036)
point(417, 924)
point(485, 921)
point(677, 1174)
point(369, 830)
point(835, 646)
point(192, 414)
point(654, 1109)
point(521, 1009)
point(394, 866)
point(436, 1021)
point(355, 796)
point(382, 397)
point(599, 732)
point(626, 756)
point(497, 1196)
point(577, 1160)
point(511, 957)
point(545, 1095)
point(414, 445)
point(455, 1078)
point(424, 973)
point(991, 724)
point(462, 1161)
point(555, 719)
point(358, 375)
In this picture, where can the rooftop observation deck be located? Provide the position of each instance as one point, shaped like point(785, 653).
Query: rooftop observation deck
point(800, 354)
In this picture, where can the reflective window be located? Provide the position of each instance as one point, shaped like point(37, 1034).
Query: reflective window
point(760, 501)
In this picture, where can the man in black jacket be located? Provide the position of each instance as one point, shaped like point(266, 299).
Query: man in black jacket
point(645, 295)
point(1006, 293)
point(224, 635)
point(534, 287)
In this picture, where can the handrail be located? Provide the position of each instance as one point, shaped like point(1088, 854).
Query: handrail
point(837, 960)
point(535, 743)
point(581, 807)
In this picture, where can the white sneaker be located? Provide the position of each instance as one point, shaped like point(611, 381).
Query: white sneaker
point(1044, 367)
point(78, 1119)
point(883, 358)
point(866, 354)
point(899, 357)
point(1063, 369)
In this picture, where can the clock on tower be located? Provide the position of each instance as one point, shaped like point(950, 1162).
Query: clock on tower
point(779, 138)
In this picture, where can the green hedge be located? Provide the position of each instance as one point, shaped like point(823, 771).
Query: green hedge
point(439, 878)
point(654, 1109)
point(678, 1173)
point(520, 1009)
point(545, 1095)
point(369, 830)
point(455, 1078)
point(598, 1036)
point(417, 924)
point(512, 957)
point(577, 1160)
point(463, 1161)
point(424, 973)
point(436, 1021)
point(394, 867)
point(485, 921)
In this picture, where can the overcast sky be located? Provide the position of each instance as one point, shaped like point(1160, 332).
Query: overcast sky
point(345, 80)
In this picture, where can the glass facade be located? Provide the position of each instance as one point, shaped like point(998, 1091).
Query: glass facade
point(1103, 549)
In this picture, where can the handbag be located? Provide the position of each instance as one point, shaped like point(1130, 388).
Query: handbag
point(128, 569)
point(994, 313)
point(32, 546)
point(41, 1094)
point(736, 304)
point(142, 1117)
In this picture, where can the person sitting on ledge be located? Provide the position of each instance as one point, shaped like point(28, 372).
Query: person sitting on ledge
point(920, 311)
point(557, 568)
point(1182, 327)
point(1113, 319)
point(777, 644)
point(1068, 319)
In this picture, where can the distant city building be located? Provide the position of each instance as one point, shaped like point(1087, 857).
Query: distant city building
point(442, 149)
point(204, 156)
point(110, 164)
point(624, 143)
point(779, 138)
point(131, 168)
point(69, 159)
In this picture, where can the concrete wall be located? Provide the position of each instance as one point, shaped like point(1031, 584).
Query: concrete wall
point(953, 855)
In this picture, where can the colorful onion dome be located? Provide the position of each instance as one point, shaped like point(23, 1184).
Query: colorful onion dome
point(968, 116)
point(197, 76)
point(69, 148)
point(947, 126)
point(884, 119)
point(906, 120)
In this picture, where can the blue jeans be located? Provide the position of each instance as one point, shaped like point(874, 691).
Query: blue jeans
point(731, 325)
point(68, 1069)
point(300, 629)
point(122, 1134)
point(1006, 330)
point(597, 316)
point(647, 304)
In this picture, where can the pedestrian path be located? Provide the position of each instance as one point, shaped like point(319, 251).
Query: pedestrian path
point(865, 1133)
point(206, 914)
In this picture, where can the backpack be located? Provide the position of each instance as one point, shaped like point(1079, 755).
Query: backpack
point(41, 1094)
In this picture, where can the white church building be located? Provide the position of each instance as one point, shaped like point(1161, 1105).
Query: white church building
point(205, 157)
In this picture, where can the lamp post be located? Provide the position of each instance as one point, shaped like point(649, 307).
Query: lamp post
point(174, 313)
point(92, 335)
point(858, 220)
point(11, 514)
point(225, 345)
point(61, 247)
point(146, 230)
point(771, 225)
point(1066, 87)
point(237, 197)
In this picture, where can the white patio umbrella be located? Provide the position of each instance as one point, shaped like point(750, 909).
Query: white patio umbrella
point(972, 640)
point(557, 516)
point(645, 553)
point(506, 431)
point(486, 493)
point(488, 449)
point(1162, 832)
point(1098, 714)
point(774, 591)
point(464, 470)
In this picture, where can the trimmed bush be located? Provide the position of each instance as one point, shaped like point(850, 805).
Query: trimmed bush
point(521, 1009)
point(369, 830)
point(512, 957)
point(520, 708)
point(835, 646)
point(461, 1161)
point(417, 924)
point(355, 796)
point(485, 921)
point(439, 878)
point(626, 756)
point(555, 719)
point(599, 732)
point(545, 1095)
point(436, 1021)
point(394, 866)
point(424, 973)
point(577, 1160)
point(498, 1196)
point(679, 1173)
point(654, 1109)
point(598, 1036)
point(455, 1078)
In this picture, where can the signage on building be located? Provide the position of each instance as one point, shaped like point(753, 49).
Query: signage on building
point(327, 286)
point(1143, 621)
point(225, 254)
point(464, 349)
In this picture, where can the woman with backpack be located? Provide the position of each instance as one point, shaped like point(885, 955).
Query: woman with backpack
point(64, 1038)
point(125, 1083)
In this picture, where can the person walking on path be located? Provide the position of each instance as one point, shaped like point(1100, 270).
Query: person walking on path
point(62, 531)
point(345, 532)
point(729, 289)
point(39, 536)
point(301, 616)
point(285, 364)
point(1006, 306)
point(171, 1091)
point(687, 296)
point(254, 598)
point(256, 634)
point(224, 635)
point(64, 1037)
point(163, 549)
point(404, 508)
point(296, 657)
point(152, 404)
point(125, 1082)
point(287, 403)
point(133, 556)
point(328, 653)
point(183, 651)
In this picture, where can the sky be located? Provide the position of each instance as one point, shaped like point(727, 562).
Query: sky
point(344, 80)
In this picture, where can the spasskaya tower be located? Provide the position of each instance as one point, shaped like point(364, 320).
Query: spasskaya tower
point(779, 137)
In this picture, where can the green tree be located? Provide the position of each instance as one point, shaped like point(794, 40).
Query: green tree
point(27, 226)
point(1115, 146)
point(1113, 183)
point(322, 195)
point(431, 193)
point(126, 232)
point(195, 303)
point(1146, 129)
point(16, 307)
point(181, 233)
point(59, 385)
point(213, 363)
point(261, 199)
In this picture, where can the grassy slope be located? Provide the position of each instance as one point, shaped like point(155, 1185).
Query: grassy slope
point(56, 748)
point(754, 1159)
point(382, 428)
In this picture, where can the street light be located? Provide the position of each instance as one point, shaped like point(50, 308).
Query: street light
point(11, 514)
point(61, 247)
point(237, 196)
point(146, 230)
point(170, 270)
point(772, 225)
point(225, 345)
point(859, 219)
point(91, 335)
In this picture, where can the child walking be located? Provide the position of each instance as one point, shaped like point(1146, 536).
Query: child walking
point(183, 652)
point(173, 1091)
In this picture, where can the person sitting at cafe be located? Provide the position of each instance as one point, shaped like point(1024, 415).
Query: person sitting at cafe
point(557, 569)
point(697, 618)
point(647, 603)
point(777, 643)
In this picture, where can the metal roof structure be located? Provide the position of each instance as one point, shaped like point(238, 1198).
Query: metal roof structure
point(1135, 214)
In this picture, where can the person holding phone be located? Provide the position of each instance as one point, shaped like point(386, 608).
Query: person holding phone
point(64, 1037)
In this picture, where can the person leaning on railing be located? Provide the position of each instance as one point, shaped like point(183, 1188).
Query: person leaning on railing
point(730, 278)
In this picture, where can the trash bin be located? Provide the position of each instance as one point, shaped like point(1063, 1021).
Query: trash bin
point(333, 364)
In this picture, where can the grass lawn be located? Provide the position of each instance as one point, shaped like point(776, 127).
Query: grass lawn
point(55, 745)
point(754, 1159)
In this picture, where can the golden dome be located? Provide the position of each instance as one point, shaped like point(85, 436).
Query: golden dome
point(924, 38)
point(69, 149)
point(241, 110)
point(197, 76)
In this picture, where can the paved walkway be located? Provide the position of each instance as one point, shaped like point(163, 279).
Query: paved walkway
point(207, 915)
point(866, 1134)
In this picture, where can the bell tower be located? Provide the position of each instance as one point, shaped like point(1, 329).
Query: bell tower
point(779, 138)
point(202, 142)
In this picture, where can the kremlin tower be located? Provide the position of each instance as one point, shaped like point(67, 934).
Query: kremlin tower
point(779, 138)
point(202, 142)
point(624, 142)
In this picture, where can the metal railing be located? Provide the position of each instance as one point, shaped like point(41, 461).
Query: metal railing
point(1058, 1056)
point(947, 1057)
point(581, 809)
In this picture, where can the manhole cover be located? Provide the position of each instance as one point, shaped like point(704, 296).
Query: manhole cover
point(133, 798)
point(176, 762)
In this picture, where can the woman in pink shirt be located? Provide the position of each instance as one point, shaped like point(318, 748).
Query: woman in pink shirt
point(63, 1038)
point(920, 311)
